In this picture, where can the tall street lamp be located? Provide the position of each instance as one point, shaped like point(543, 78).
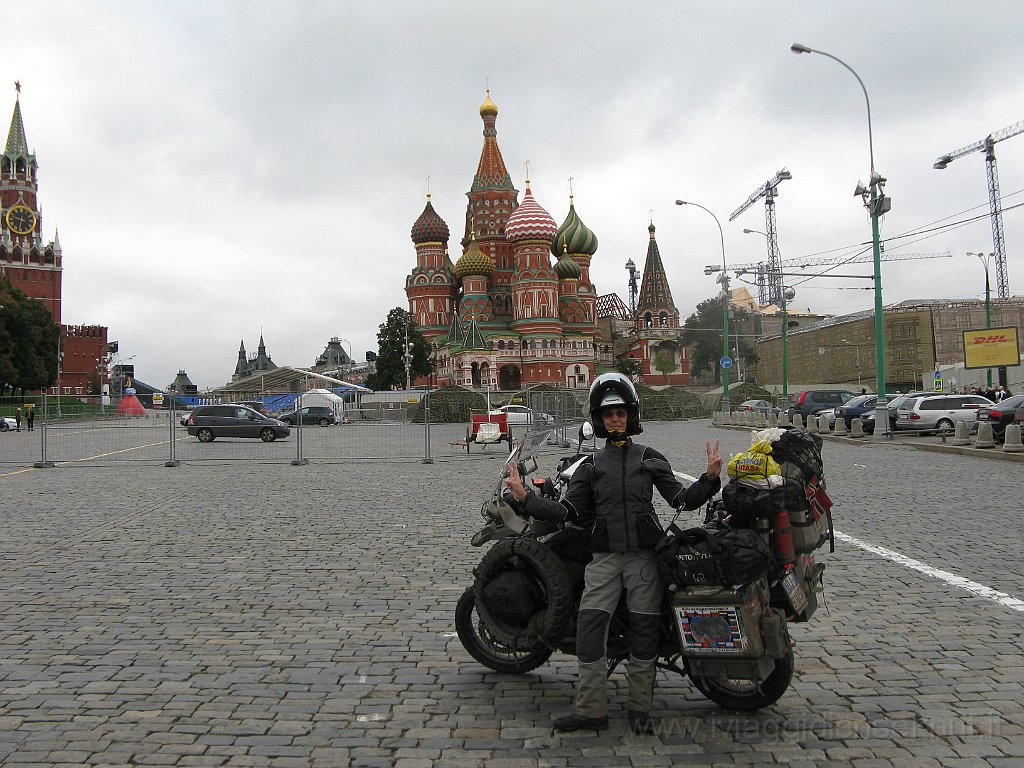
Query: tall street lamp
point(723, 278)
point(788, 294)
point(986, 259)
point(857, 347)
point(877, 204)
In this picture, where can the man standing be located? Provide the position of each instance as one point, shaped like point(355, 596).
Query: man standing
point(17, 418)
point(30, 418)
point(613, 493)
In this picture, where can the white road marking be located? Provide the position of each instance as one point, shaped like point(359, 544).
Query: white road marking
point(973, 587)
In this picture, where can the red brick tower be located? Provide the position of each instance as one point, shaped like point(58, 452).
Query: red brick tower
point(492, 199)
point(657, 320)
point(430, 286)
point(30, 265)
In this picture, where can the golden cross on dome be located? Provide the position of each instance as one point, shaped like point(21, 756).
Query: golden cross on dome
point(428, 187)
point(651, 212)
point(570, 188)
point(526, 165)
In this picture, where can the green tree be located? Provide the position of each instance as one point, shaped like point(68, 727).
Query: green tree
point(391, 337)
point(28, 342)
point(629, 366)
point(702, 333)
point(664, 363)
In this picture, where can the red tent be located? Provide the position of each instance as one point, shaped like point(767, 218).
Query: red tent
point(130, 406)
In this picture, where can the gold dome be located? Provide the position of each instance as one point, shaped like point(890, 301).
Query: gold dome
point(488, 107)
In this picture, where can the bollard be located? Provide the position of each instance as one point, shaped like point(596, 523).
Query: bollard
point(1011, 439)
point(760, 419)
point(856, 427)
point(961, 434)
point(985, 439)
point(798, 421)
point(726, 418)
point(772, 420)
point(823, 425)
point(841, 426)
point(784, 420)
point(750, 419)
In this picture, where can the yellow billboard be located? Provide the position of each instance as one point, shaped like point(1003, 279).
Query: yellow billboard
point(991, 347)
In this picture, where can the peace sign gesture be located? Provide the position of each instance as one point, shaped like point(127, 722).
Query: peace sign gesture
point(714, 459)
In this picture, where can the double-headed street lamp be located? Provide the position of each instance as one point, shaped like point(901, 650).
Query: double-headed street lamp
point(877, 204)
point(723, 278)
point(986, 259)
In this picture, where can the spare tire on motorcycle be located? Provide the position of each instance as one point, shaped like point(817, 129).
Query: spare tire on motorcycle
point(524, 594)
point(712, 556)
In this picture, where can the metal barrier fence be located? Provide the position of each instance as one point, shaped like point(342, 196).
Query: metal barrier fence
point(86, 431)
point(91, 433)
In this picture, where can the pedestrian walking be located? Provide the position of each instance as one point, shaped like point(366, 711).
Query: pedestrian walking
point(30, 418)
point(17, 418)
point(613, 494)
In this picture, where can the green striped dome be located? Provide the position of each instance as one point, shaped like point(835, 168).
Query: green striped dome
point(566, 268)
point(575, 235)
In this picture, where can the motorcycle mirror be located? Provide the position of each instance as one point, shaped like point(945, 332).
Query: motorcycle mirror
point(586, 431)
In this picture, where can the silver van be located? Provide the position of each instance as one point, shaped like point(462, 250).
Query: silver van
point(939, 411)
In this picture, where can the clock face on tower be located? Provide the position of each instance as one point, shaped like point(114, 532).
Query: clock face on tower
point(21, 219)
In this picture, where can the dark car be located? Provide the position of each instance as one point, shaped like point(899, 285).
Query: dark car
point(256, 405)
point(208, 422)
point(1000, 415)
point(811, 402)
point(311, 414)
point(856, 408)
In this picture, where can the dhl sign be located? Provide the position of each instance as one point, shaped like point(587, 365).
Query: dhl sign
point(991, 347)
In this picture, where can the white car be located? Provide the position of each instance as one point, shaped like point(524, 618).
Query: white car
point(520, 415)
point(7, 423)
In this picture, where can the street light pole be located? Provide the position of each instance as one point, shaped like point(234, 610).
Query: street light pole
point(876, 205)
point(986, 259)
point(723, 278)
point(406, 356)
point(788, 294)
point(856, 347)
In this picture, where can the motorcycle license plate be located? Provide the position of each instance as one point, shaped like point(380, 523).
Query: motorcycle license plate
point(794, 592)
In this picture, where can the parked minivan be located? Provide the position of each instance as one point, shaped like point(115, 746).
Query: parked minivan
point(939, 411)
point(208, 422)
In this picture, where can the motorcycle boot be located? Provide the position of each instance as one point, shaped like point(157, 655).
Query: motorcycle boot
point(576, 722)
point(640, 723)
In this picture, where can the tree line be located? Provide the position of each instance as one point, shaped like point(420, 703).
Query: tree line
point(28, 342)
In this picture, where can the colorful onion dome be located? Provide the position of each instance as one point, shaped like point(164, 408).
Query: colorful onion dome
point(473, 261)
point(575, 235)
point(429, 227)
point(529, 221)
point(488, 107)
point(566, 268)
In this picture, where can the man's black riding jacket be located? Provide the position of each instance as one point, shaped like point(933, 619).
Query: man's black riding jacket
point(615, 491)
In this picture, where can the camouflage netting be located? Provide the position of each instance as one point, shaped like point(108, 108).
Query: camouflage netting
point(669, 404)
point(745, 391)
point(451, 405)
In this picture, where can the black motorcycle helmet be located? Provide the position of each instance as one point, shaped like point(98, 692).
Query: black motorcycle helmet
point(611, 390)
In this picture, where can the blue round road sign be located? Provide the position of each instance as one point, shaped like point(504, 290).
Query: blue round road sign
point(725, 362)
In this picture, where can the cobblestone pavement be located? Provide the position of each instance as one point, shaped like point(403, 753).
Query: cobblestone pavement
point(251, 614)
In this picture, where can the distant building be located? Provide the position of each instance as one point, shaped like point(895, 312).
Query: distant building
point(35, 267)
point(182, 385)
point(250, 366)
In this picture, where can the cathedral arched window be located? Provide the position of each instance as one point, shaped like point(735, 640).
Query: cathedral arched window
point(648, 320)
point(663, 319)
point(501, 343)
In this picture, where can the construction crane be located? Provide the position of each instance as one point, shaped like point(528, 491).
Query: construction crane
point(801, 262)
point(994, 203)
point(769, 284)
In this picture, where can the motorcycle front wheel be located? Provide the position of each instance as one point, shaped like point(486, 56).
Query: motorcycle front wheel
point(747, 695)
point(486, 648)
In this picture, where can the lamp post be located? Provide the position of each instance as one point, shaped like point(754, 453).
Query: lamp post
point(986, 259)
point(788, 294)
point(857, 347)
point(723, 278)
point(407, 357)
point(877, 204)
point(351, 362)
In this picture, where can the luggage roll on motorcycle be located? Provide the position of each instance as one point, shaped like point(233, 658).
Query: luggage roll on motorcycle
point(730, 596)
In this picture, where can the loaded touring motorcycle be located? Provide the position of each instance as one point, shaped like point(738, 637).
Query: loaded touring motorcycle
point(732, 587)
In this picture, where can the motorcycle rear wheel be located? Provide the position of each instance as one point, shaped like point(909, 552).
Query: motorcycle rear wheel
point(746, 695)
point(486, 648)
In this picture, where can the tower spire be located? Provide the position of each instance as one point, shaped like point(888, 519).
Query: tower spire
point(17, 144)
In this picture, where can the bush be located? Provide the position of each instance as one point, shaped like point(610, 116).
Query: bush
point(669, 404)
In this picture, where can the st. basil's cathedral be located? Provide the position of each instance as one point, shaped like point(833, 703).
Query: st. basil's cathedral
point(503, 316)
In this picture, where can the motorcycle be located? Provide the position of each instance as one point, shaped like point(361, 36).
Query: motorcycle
point(732, 642)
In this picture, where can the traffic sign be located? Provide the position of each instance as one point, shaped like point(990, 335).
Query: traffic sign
point(725, 362)
point(937, 385)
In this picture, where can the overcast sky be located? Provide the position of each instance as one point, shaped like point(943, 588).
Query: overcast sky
point(218, 169)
